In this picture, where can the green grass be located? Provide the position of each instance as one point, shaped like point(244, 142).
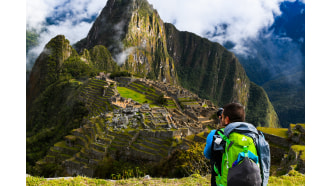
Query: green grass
point(298, 148)
point(190, 137)
point(201, 134)
point(138, 97)
point(293, 178)
point(280, 132)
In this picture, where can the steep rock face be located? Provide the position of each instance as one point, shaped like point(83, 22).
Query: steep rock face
point(101, 58)
point(214, 73)
point(47, 66)
point(135, 35)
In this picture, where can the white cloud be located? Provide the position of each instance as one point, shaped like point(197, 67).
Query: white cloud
point(38, 10)
point(121, 57)
point(243, 19)
point(73, 26)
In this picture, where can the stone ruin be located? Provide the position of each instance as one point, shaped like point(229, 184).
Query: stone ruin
point(151, 130)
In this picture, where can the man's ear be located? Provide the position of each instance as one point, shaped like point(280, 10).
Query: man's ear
point(227, 121)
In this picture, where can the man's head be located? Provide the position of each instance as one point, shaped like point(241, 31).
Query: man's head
point(232, 112)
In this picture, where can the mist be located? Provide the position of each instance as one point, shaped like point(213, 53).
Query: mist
point(71, 18)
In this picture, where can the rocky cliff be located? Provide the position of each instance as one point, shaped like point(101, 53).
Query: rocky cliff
point(214, 73)
point(135, 35)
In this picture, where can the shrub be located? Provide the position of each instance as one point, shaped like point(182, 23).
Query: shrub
point(184, 163)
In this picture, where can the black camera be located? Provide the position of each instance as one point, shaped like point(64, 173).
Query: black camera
point(219, 112)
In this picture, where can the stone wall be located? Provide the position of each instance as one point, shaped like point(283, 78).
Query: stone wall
point(276, 154)
point(297, 134)
point(277, 140)
point(158, 134)
point(292, 161)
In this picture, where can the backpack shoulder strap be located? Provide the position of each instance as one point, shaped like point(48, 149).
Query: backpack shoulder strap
point(221, 133)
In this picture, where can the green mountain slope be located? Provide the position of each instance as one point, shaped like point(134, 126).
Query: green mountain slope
point(54, 107)
point(281, 92)
point(214, 73)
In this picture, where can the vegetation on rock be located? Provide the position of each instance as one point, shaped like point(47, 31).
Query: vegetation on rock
point(214, 73)
point(102, 60)
point(31, 39)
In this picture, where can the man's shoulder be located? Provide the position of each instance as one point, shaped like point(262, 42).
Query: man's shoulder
point(239, 126)
point(212, 132)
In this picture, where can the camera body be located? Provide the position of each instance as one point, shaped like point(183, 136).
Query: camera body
point(219, 112)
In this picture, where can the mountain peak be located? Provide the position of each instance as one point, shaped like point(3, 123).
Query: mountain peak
point(135, 35)
point(47, 66)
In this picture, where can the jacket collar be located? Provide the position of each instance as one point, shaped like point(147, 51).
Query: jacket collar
point(242, 127)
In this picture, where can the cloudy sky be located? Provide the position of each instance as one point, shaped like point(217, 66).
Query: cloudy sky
point(243, 19)
point(71, 18)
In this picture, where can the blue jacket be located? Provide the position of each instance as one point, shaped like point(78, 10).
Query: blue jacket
point(208, 146)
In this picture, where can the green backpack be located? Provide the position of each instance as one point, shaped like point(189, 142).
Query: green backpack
point(240, 162)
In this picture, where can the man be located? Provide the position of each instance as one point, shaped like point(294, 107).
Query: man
point(232, 117)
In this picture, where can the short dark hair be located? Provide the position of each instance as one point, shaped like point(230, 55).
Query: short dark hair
point(235, 112)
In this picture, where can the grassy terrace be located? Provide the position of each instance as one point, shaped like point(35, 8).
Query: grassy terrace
point(143, 88)
point(187, 101)
point(136, 96)
point(62, 144)
point(92, 93)
point(137, 148)
point(280, 132)
point(153, 144)
point(170, 104)
point(162, 141)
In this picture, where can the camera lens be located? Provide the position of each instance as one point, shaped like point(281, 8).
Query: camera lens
point(219, 113)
